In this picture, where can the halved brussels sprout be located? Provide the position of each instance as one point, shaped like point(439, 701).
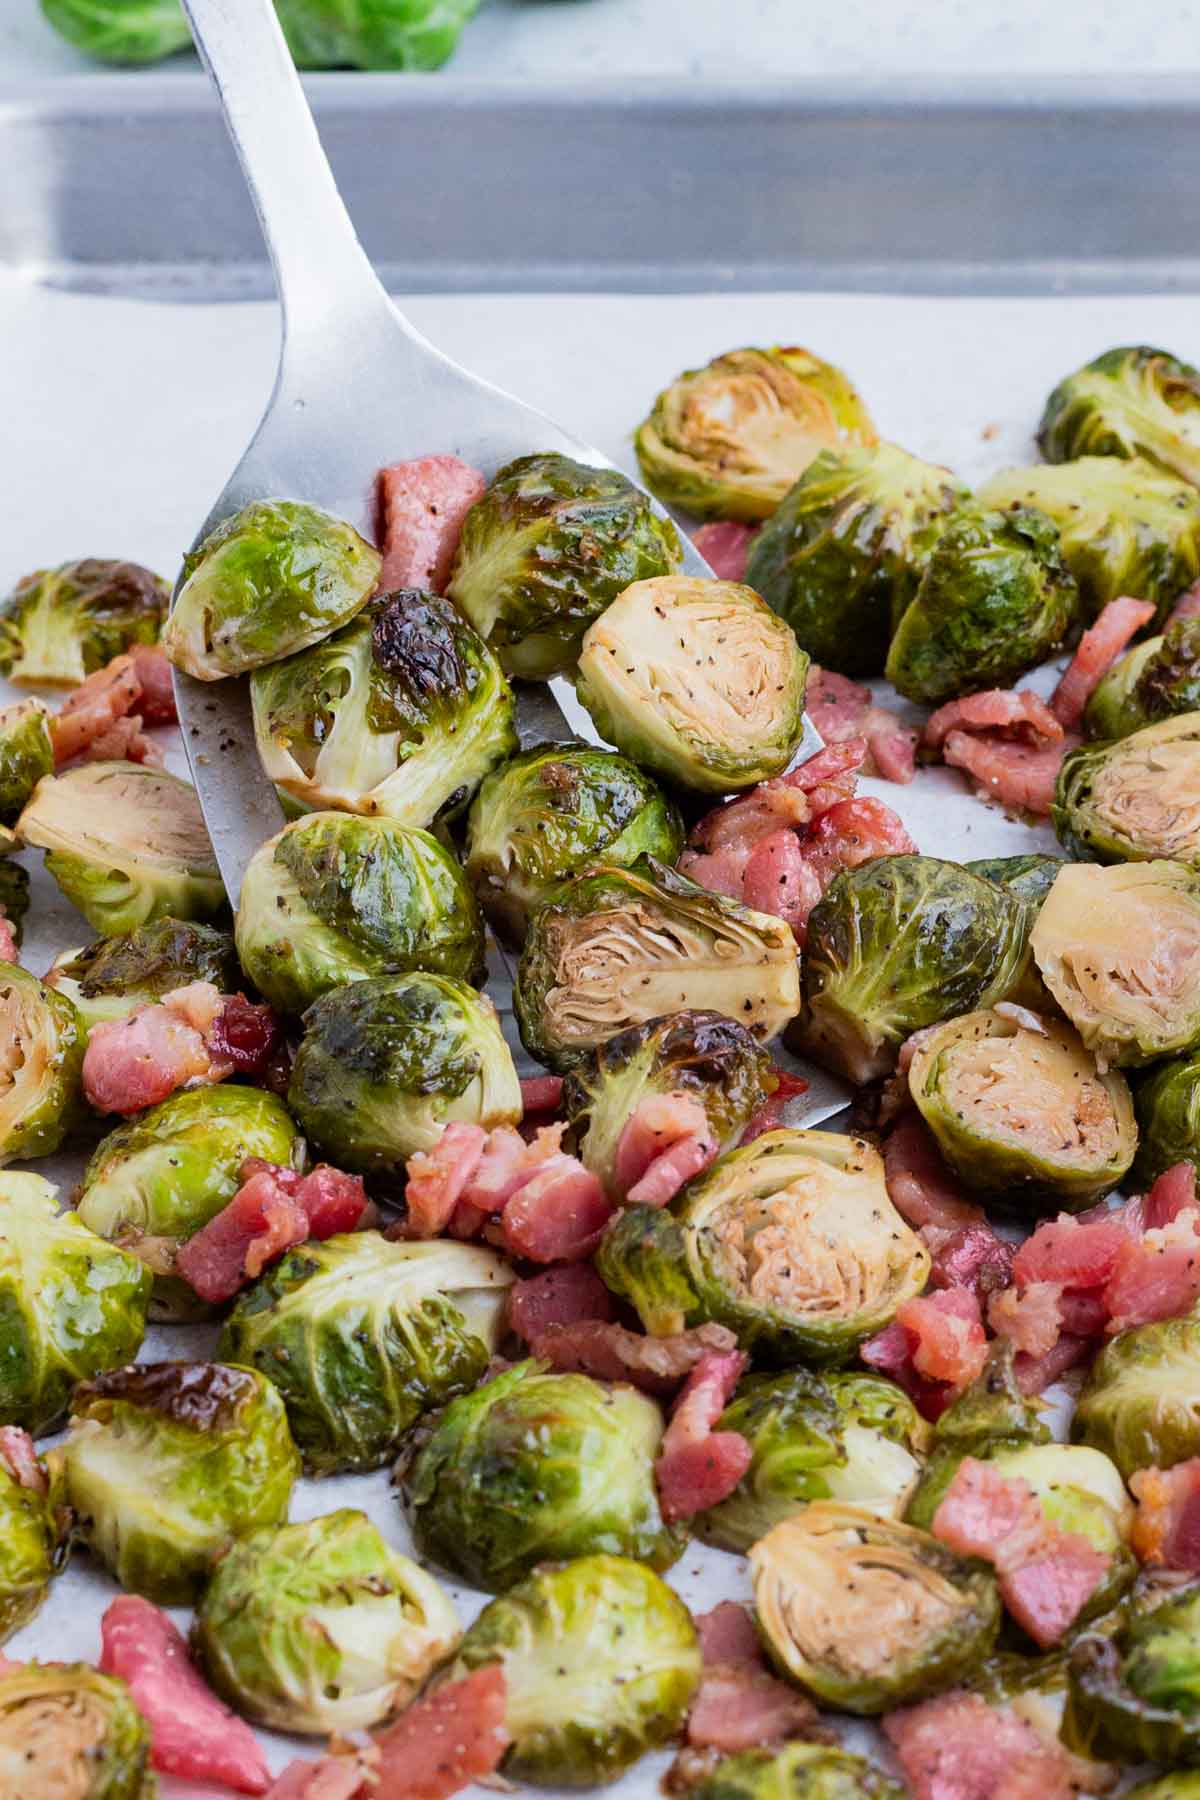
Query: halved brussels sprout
point(69, 1733)
point(1133, 799)
point(992, 1415)
point(841, 558)
point(402, 712)
point(865, 1613)
point(712, 1058)
point(1157, 679)
point(1167, 1103)
point(1030, 877)
point(547, 548)
point(728, 440)
point(334, 899)
point(60, 625)
point(1119, 949)
point(107, 979)
point(600, 1663)
point(268, 581)
point(361, 1336)
point(29, 1548)
point(1135, 1690)
point(1141, 1401)
point(42, 1041)
point(1132, 401)
point(385, 1064)
point(698, 681)
point(26, 754)
point(534, 1465)
point(167, 1463)
point(850, 1437)
point(796, 1772)
point(791, 1241)
point(548, 813)
point(320, 1626)
point(615, 947)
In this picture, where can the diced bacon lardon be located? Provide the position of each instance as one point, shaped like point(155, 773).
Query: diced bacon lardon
point(452, 1736)
point(698, 1467)
point(665, 1142)
point(273, 1209)
point(1166, 1530)
point(422, 505)
point(1099, 648)
point(842, 709)
point(725, 546)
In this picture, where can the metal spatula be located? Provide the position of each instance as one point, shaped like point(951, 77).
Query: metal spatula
point(357, 387)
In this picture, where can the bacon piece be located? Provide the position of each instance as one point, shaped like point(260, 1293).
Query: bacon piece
point(1009, 710)
point(508, 1162)
point(770, 1115)
point(1031, 1317)
point(725, 546)
point(125, 741)
point(698, 1467)
point(739, 1704)
point(273, 1209)
point(107, 695)
point(333, 1200)
point(972, 1257)
point(1156, 1278)
point(1166, 1530)
point(441, 1743)
point(1188, 604)
point(557, 1297)
point(192, 1733)
point(1034, 1374)
point(1075, 1252)
point(541, 1093)
point(1021, 777)
point(19, 1457)
point(665, 1142)
point(1098, 650)
point(919, 1184)
point(934, 1348)
point(422, 505)
point(842, 709)
point(437, 1178)
point(612, 1352)
point(728, 1635)
point(558, 1215)
point(957, 1747)
point(156, 695)
point(244, 1035)
point(8, 939)
point(332, 1778)
point(779, 879)
point(855, 831)
point(137, 1061)
point(1173, 1192)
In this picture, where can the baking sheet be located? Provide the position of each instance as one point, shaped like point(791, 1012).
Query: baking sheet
point(123, 420)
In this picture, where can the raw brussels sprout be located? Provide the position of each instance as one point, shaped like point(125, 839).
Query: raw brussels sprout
point(600, 1661)
point(29, 1551)
point(550, 811)
point(402, 712)
point(59, 625)
point(126, 843)
point(1021, 1112)
point(796, 1772)
point(615, 947)
point(42, 1041)
point(995, 598)
point(109, 978)
point(320, 1626)
point(1135, 1691)
point(1119, 949)
point(728, 440)
point(167, 1463)
point(841, 558)
point(993, 1415)
point(69, 1733)
point(1141, 1401)
point(388, 34)
point(850, 1437)
point(791, 1241)
point(361, 1336)
point(712, 1058)
point(385, 1064)
point(1129, 402)
point(270, 580)
point(898, 943)
point(335, 898)
point(535, 1465)
point(1157, 679)
point(1030, 877)
point(1168, 1111)
point(865, 1613)
point(1133, 799)
point(71, 1305)
point(698, 681)
point(547, 548)
point(26, 754)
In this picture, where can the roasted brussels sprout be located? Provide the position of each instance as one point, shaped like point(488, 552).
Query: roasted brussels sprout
point(335, 899)
point(59, 625)
point(270, 580)
point(790, 1241)
point(1119, 949)
point(385, 1064)
point(865, 1613)
point(1157, 679)
point(1132, 401)
point(402, 712)
point(69, 1733)
point(1133, 799)
point(1134, 1691)
point(109, 978)
point(841, 558)
point(548, 813)
point(26, 754)
point(850, 1437)
point(1180, 1786)
point(795, 1772)
point(29, 1545)
point(1141, 1401)
point(41, 1052)
point(1167, 1102)
point(14, 895)
point(126, 843)
point(728, 440)
point(1030, 877)
point(166, 1463)
point(698, 681)
point(320, 1626)
point(616, 947)
point(361, 1336)
point(703, 1054)
point(535, 1465)
point(549, 546)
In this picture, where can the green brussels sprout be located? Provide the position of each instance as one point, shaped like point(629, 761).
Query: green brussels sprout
point(42, 1041)
point(995, 599)
point(534, 1465)
point(14, 896)
point(29, 1545)
point(698, 681)
point(1141, 1401)
point(334, 899)
point(550, 811)
point(69, 1732)
point(548, 547)
point(121, 31)
point(1167, 1102)
point(109, 978)
point(791, 1242)
point(126, 843)
point(1030, 877)
point(728, 440)
point(1119, 950)
point(797, 1772)
point(992, 1415)
point(60, 625)
point(865, 1614)
point(361, 1336)
point(1180, 1786)
point(1135, 798)
point(385, 1064)
point(1020, 1110)
point(703, 1054)
point(167, 1463)
point(320, 1626)
point(842, 557)
point(1131, 402)
point(26, 754)
point(388, 34)
point(615, 947)
point(1135, 1691)
point(600, 1662)
point(850, 1437)
point(898, 943)
point(268, 581)
point(1157, 679)
point(402, 712)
